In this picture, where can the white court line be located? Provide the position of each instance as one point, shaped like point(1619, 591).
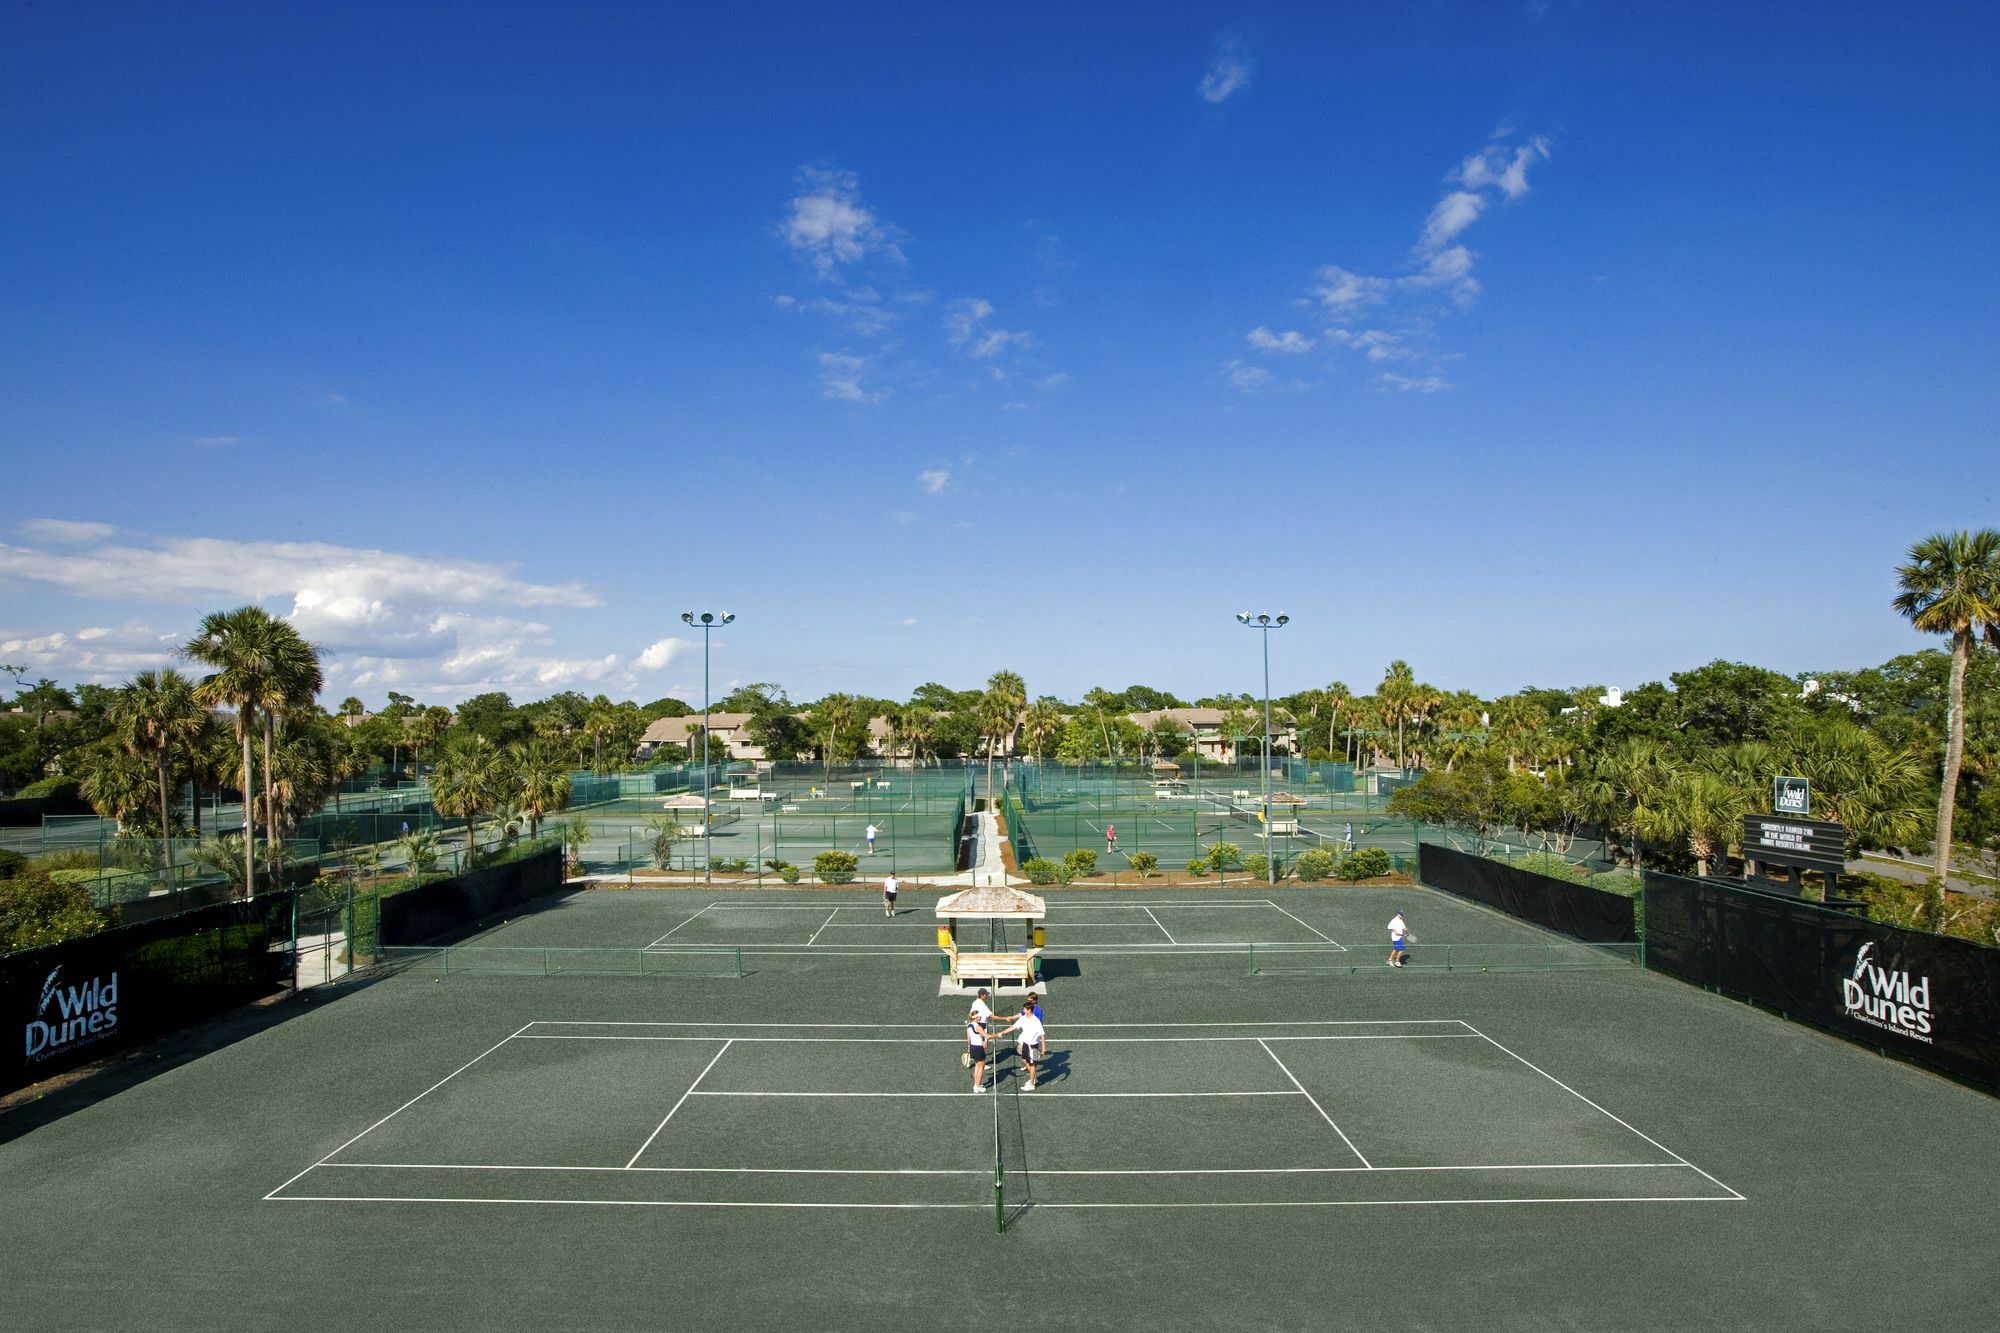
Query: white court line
point(823, 925)
point(615, 1203)
point(1104, 906)
point(1595, 1107)
point(1402, 1203)
point(663, 938)
point(929, 1171)
point(677, 1105)
point(408, 1104)
point(1163, 930)
point(671, 1170)
point(871, 1027)
point(1300, 1093)
point(949, 1041)
point(1323, 935)
point(1315, 1103)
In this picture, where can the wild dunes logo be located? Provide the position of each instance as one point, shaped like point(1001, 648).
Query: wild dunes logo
point(1886, 998)
point(81, 1015)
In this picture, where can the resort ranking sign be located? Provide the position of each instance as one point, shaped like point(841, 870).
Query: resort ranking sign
point(1808, 844)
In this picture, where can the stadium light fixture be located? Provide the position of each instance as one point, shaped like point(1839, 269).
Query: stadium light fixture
point(705, 622)
point(1266, 623)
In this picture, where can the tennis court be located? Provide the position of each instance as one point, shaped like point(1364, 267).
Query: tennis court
point(793, 1142)
point(1233, 1115)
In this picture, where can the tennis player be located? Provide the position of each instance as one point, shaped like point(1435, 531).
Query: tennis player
point(1029, 1044)
point(871, 839)
point(1110, 839)
point(1398, 928)
point(890, 885)
point(975, 1037)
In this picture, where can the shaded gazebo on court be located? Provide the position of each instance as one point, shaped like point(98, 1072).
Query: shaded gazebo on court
point(985, 954)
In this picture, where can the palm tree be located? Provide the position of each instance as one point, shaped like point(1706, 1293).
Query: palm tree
point(237, 644)
point(1396, 697)
point(291, 686)
point(838, 724)
point(116, 781)
point(999, 713)
point(1623, 780)
point(154, 715)
point(1702, 808)
point(469, 775)
point(1097, 699)
point(1000, 710)
point(919, 730)
point(1334, 697)
point(1041, 723)
point(541, 780)
point(1952, 586)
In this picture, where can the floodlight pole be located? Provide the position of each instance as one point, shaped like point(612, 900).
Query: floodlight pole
point(1265, 624)
point(707, 621)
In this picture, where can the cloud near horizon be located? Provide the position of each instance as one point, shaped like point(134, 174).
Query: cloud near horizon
point(384, 619)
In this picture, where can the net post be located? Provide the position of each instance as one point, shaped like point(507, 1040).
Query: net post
point(999, 1198)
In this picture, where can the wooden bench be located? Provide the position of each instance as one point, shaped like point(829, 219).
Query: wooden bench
point(998, 968)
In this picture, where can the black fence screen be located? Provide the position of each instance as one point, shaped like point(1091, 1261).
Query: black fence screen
point(66, 1004)
point(435, 909)
point(1929, 998)
point(1576, 910)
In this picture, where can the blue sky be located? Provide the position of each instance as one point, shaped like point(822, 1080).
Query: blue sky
point(1533, 343)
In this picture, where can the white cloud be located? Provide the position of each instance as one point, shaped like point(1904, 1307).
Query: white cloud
point(933, 481)
point(842, 377)
point(1498, 168)
point(1450, 269)
point(1440, 263)
point(1059, 380)
point(827, 226)
point(1288, 343)
point(965, 328)
point(63, 530)
point(98, 655)
point(1375, 344)
point(662, 651)
point(859, 308)
point(1453, 214)
point(907, 622)
point(1343, 291)
point(1430, 383)
point(1246, 378)
point(216, 441)
point(1229, 70)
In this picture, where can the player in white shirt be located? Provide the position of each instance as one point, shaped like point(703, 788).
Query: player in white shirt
point(1397, 929)
point(871, 838)
point(1029, 1044)
point(889, 887)
point(975, 1038)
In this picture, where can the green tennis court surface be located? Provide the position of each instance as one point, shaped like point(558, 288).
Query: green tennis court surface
point(799, 1146)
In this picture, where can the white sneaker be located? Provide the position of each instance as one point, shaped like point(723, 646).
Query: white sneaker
point(1027, 1087)
point(981, 1088)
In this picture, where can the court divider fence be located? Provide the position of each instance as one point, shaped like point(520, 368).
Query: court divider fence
point(1931, 999)
point(1579, 911)
point(445, 905)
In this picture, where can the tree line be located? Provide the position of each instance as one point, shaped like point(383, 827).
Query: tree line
point(1900, 752)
